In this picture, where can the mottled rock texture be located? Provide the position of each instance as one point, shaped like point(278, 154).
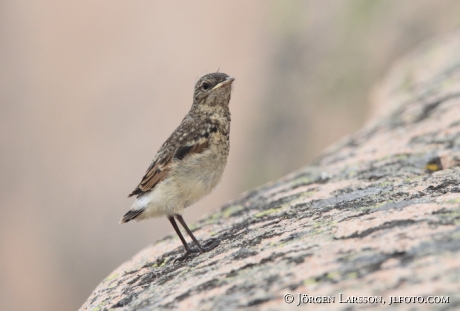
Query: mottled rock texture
point(378, 214)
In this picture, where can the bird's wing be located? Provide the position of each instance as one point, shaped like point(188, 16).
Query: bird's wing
point(191, 137)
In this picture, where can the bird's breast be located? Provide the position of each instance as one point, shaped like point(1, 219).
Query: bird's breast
point(197, 175)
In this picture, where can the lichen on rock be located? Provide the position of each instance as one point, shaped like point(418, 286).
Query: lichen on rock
point(378, 214)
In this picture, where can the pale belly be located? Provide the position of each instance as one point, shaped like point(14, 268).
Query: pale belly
point(192, 179)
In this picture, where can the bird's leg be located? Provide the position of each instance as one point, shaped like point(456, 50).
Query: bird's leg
point(182, 222)
point(209, 247)
point(188, 251)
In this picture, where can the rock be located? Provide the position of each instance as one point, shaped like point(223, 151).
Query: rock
point(377, 215)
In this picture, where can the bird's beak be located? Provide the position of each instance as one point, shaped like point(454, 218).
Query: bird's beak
point(229, 80)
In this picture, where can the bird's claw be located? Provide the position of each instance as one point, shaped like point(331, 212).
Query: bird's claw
point(191, 252)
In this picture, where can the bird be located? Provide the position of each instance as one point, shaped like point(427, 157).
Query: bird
point(190, 163)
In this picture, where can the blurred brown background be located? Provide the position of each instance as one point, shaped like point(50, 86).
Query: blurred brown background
point(90, 89)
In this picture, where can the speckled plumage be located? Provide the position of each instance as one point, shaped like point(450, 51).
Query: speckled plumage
point(191, 161)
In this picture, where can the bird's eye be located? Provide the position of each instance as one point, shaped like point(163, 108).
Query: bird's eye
point(205, 86)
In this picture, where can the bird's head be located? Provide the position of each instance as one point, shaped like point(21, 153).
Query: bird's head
point(213, 90)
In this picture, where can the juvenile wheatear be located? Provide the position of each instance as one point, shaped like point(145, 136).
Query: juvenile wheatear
point(191, 161)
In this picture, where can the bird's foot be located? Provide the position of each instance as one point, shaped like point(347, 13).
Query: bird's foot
point(188, 254)
point(194, 251)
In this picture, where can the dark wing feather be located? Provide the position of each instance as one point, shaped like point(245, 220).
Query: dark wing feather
point(189, 138)
point(184, 151)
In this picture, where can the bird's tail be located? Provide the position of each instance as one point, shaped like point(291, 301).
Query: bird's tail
point(130, 215)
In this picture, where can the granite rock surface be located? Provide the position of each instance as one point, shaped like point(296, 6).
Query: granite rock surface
point(376, 215)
